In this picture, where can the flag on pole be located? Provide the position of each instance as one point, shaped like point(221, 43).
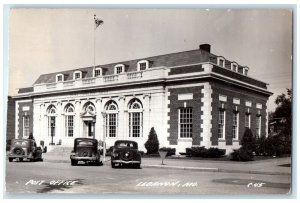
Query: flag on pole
point(97, 21)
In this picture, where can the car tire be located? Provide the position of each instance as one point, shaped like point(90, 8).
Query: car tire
point(74, 162)
point(20, 159)
point(10, 159)
point(138, 166)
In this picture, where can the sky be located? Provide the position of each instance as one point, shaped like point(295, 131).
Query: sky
point(42, 41)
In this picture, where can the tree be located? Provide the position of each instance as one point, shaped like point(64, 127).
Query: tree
point(248, 140)
point(152, 144)
point(245, 152)
point(283, 111)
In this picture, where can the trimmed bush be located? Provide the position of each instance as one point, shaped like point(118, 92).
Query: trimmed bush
point(248, 140)
point(215, 152)
point(205, 153)
point(242, 154)
point(152, 144)
point(170, 151)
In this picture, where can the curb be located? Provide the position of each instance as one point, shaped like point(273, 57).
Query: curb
point(215, 170)
point(181, 168)
point(191, 168)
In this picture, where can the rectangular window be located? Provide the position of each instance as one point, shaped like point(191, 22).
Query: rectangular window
point(135, 124)
point(240, 70)
point(258, 126)
point(59, 78)
point(247, 120)
point(97, 72)
point(234, 67)
point(235, 123)
point(111, 125)
point(246, 72)
point(221, 124)
point(119, 69)
point(143, 66)
point(222, 62)
point(186, 122)
point(77, 76)
point(69, 126)
point(26, 122)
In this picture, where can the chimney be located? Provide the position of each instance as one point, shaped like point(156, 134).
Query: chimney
point(205, 47)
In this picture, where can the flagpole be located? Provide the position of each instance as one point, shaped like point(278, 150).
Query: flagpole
point(94, 42)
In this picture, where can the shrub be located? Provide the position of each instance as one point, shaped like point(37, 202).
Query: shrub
point(203, 152)
point(215, 152)
point(170, 151)
point(248, 140)
point(242, 154)
point(152, 144)
point(273, 145)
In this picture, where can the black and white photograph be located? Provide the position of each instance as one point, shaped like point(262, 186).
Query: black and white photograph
point(149, 101)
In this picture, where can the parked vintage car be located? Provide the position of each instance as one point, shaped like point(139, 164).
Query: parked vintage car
point(86, 150)
point(125, 152)
point(24, 149)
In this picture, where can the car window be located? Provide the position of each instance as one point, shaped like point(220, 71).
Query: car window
point(21, 143)
point(85, 143)
point(125, 145)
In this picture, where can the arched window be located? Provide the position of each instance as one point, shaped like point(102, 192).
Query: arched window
point(111, 121)
point(51, 114)
point(135, 113)
point(89, 106)
point(69, 120)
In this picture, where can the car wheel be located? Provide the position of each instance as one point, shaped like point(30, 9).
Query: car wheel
point(10, 159)
point(138, 166)
point(20, 159)
point(74, 162)
point(98, 163)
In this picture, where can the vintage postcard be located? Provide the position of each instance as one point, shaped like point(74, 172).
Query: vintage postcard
point(149, 101)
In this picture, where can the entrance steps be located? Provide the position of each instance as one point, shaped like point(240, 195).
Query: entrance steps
point(58, 150)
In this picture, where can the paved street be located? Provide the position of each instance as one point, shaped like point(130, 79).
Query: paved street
point(48, 177)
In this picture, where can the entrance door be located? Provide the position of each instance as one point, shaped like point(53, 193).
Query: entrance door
point(91, 129)
point(52, 128)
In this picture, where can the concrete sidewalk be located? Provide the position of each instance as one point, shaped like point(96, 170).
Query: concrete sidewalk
point(268, 166)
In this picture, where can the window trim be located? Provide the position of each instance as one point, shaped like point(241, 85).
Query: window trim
point(119, 65)
point(249, 120)
point(67, 115)
point(75, 72)
point(131, 112)
point(179, 124)
point(245, 70)
point(258, 127)
point(94, 72)
point(27, 127)
point(237, 125)
point(224, 124)
point(109, 113)
point(234, 65)
point(139, 65)
point(220, 58)
point(60, 74)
